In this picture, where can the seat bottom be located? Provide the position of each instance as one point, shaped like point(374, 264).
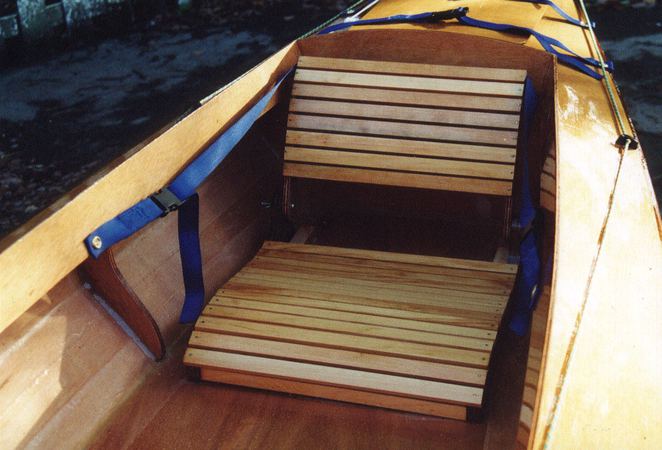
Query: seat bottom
point(399, 331)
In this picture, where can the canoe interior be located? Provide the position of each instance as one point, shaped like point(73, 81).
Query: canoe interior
point(71, 376)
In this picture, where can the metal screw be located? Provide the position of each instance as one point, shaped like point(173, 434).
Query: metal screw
point(97, 242)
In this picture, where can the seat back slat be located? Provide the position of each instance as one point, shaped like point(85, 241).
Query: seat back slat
point(403, 124)
point(400, 68)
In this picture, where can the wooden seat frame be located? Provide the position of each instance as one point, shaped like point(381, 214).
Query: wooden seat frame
point(400, 331)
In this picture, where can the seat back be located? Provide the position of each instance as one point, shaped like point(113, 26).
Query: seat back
point(401, 124)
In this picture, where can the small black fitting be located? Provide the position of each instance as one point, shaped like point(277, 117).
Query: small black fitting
point(166, 200)
point(623, 139)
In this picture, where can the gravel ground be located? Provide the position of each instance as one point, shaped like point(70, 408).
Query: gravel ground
point(69, 109)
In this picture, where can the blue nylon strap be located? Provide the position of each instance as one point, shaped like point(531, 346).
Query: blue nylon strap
point(191, 257)
point(185, 185)
point(182, 191)
point(526, 288)
point(550, 45)
point(400, 18)
point(561, 12)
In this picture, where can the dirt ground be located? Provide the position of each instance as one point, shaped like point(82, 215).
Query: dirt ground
point(68, 108)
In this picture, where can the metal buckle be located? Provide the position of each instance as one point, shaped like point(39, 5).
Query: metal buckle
point(166, 200)
point(449, 14)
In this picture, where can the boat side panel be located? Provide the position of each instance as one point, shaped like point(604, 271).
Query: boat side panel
point(64, 367)
point(39, 254)
point(233, 224)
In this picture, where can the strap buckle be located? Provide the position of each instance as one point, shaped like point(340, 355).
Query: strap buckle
point(438, 16)
point(166, 200)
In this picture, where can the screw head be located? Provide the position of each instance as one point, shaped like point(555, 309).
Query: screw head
point(97, 242)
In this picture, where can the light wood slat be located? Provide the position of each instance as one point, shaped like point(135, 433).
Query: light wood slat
point(478, 323)
point(403, 273)
point(418, 98)
point(526, 416)
point(311, 311)
point(337, 326)
point(336, 393)
point(445, 313)
point(404, 130)
point(400, 163)
point(449, 306)
point(472, 358)
point(453, 306)
point(338, 376)
point(343, 358)
point(371, 289)
point(406, 258)
point(386, 178)
point(405, 113)
point(547, 183)
point(401, 146)
point(402, 68)
point(364, 264)
point(407, 281)
point(410, 82)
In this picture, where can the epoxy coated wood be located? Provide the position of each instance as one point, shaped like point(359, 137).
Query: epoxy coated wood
point(435, 364)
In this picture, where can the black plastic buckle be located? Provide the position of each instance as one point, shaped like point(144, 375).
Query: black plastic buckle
point(624, 138)
point(438, 16)
point(166, 200)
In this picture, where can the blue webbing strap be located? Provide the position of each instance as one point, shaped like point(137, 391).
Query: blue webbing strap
point(526, 289)
point(549, 44)
point(191, 257)
point(561, 12)
point(400, 18)
point(179, 195)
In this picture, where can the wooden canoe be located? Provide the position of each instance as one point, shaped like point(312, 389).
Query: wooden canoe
point(80, 337)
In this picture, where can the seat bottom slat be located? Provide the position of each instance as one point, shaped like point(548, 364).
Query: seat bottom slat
point(347, 348)
point(332, 392)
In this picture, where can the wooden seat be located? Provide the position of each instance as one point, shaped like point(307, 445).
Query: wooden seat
point(411, 125)
point(400, 331)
